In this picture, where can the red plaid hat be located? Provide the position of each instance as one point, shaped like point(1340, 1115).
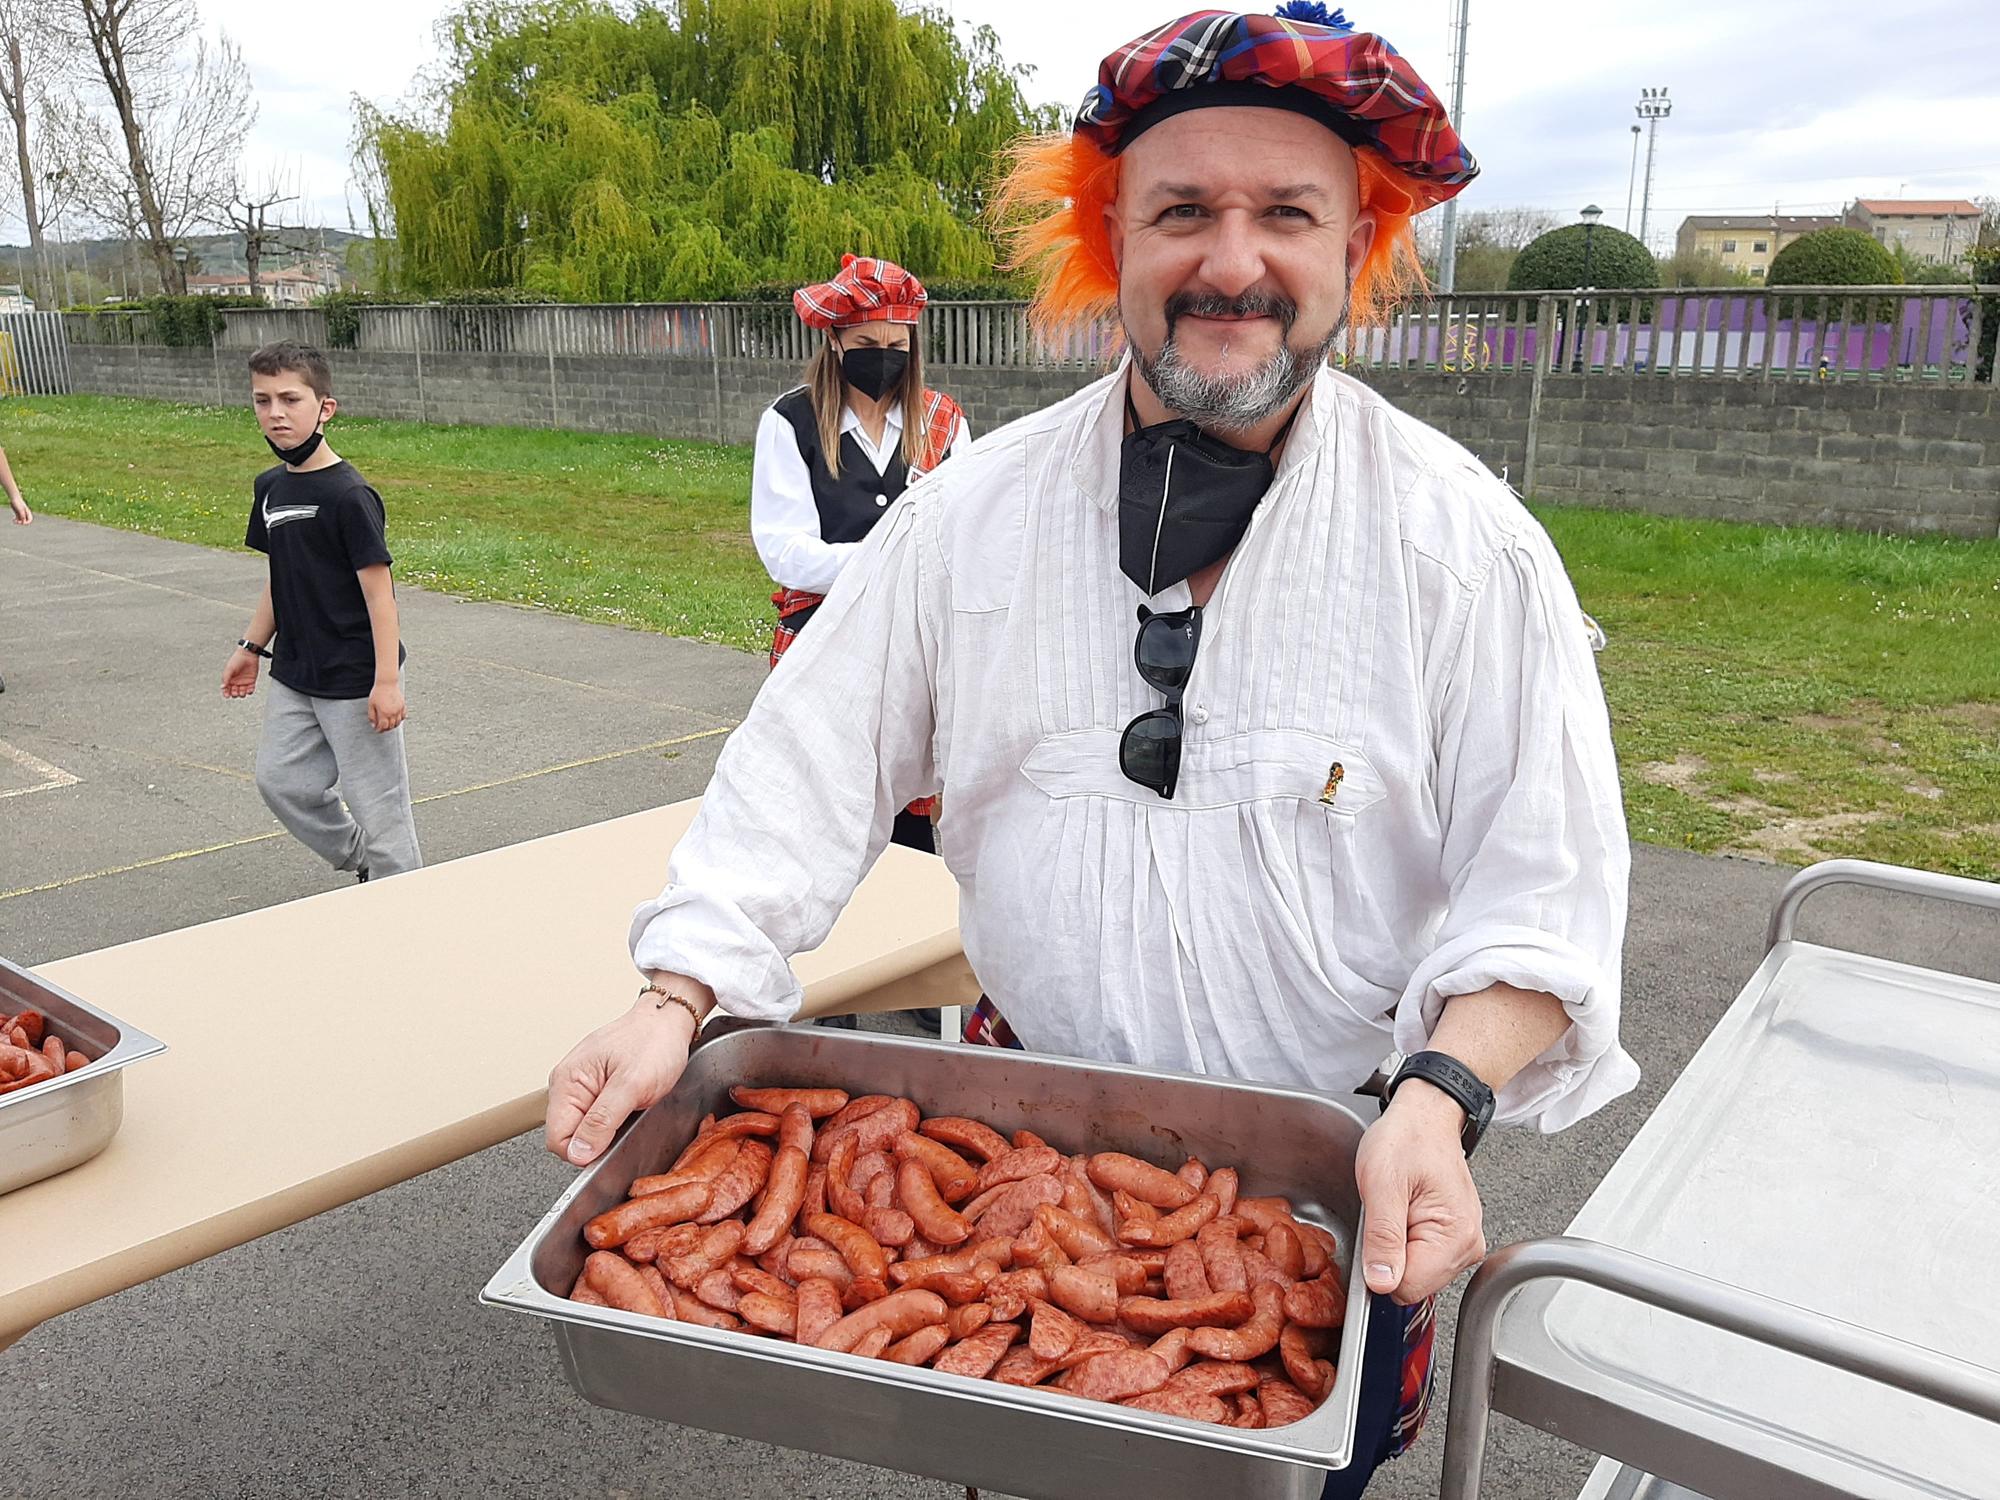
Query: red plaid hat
point(867, 290)
point(1304, 58)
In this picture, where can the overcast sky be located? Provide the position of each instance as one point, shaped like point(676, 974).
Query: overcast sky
point(1804, 104)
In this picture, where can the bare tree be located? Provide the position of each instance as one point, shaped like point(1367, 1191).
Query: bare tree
point(181, 119)
point(30, 53)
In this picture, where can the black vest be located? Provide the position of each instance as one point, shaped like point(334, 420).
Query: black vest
point(852, 501)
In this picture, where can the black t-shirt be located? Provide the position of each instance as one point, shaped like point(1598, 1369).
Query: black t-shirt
point(320, 528)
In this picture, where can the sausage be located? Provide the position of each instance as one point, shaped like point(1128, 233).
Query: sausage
point(1052, 1331)
point(1014, 1208)
point(1263, 1212)
point(770, 1314)
point(691, 1309)
point(784, 1196)
point(818, 1309)
point(1094, 1341)
point(842, 1197)
point(1282, 1401)
point(873, 1344)
point(856, 1245)
point(1319, 1303)
point(652, 1277)
point(976, 1356)
point(1086, 1199)
point(919, 1347)
point(880, 1192)
point(1172, 1347)
point(1125, 1271)
point(738, 1183)
point(1257, 1268)
point(1189, 1404)
point(1185, 1276)
point(1116, 1376)
point(983, 1141)
point(74, 1061)
point(1300, 1350)
point(854, 1109)
point(718, 1290)
point(1078, 1237)
point(871, 1132)
point(1023, 1138)
point(1091, 1295)
point(1258, 1336)
point(1035, 1246)
point(705, 1165)
point(891, 1227)
point(34, 1023)
point(1221, 1257)
point(956, 1287)
point(817, 1103)
point(993, 1252)
point(1115, 1171)
point(1171, 1229)
point(954, 1176)
point(615, 1226)
point(619, 1283)
point(582, 1293)
point(1221, 1186)
point(749, 1278)
point(965, 1321)
point(821, 1261)
point(1010, 1292)
point(815, 1196)
point(1153, 1316)
point(663, 1243)
point(1322, 1250)
point(1022, 1366)
point(1129, 1211)
point(1194, 1172)
point(749, 1123)
point(1281, 1245)
point(1213, 1377)
point(1020, 1164)
point(1248, 1412)
point(902, 1313)
point(935, 1219)
point(714, 1250)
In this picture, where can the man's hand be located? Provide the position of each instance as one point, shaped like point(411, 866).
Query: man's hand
point(625, 1065)
point(22, 515)
point(1422, 1211)
point(385, 706)
point(239, 675)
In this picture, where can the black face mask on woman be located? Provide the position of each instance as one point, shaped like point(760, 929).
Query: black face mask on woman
point(1184, 498)
point(874, 372)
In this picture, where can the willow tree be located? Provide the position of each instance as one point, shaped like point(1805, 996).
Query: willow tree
point(682, 153)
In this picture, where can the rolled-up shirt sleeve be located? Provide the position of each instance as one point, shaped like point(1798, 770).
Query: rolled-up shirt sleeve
point(806, 792)
point(1535, 856)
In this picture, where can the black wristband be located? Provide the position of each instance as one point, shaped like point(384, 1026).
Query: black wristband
point(1454, 1079)
point(254, 650)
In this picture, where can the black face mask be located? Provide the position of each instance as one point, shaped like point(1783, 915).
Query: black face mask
point(303, 451)
point(874, 372)
point(1184, 498)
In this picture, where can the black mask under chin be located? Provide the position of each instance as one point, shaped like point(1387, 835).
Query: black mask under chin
point(303, 451)
point(1184, 498)
point(874, 372)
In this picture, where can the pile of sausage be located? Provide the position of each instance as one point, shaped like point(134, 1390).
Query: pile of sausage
point(857, 1225)
point(30, 1053)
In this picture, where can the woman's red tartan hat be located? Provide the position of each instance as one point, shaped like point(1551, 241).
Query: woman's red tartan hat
point(1304, 58)
point(866, 290)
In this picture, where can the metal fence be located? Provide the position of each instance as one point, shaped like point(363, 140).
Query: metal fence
point(34, 355)
point(1792, 333)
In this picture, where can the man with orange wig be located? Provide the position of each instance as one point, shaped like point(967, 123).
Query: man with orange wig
point(1350, 789)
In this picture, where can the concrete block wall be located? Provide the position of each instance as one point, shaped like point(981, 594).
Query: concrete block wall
point(1879, 457)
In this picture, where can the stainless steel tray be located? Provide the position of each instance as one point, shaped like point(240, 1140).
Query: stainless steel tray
point(54, 1126)
point(1784, 1287)
point(1034, 1443)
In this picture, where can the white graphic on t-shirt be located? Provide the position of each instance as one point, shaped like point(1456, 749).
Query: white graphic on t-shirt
point(288, 513)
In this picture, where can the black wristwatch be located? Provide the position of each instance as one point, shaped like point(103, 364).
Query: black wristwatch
point(254, 650)
point(1444, 1072)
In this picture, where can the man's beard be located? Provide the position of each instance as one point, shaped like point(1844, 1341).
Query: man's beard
point(1234, 403)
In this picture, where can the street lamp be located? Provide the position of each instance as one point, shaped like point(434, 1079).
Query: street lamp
point(1590, 215)
point(181, 266)
point(1653, 107)
point(1632, 179)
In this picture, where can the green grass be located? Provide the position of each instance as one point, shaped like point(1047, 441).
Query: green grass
point(1787, 693)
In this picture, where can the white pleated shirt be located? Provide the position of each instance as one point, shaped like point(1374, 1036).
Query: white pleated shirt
point(1393, 611)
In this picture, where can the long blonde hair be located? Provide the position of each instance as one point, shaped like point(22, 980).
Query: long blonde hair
point(828, 388)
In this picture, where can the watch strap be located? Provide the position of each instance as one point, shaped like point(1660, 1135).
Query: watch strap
point(254, 649)
point(1453, 1078)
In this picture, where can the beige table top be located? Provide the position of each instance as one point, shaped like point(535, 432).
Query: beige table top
point(329, 1047)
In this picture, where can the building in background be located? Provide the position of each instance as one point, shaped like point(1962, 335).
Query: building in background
point(1746, 242)
point(1936, 231)
point(287, 286)
point(14, 300)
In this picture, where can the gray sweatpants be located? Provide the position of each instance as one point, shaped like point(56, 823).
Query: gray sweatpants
point(311, 745)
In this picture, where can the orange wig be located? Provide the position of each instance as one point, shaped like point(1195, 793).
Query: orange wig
point(1051, 207)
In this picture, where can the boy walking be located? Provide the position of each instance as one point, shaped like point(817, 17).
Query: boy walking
point(327, 624)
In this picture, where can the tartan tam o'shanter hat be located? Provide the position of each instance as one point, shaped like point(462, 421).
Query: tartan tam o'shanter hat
point(1305, 58)
point(866, 290)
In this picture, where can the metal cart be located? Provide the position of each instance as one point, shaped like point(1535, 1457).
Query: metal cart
point(1788, 1287)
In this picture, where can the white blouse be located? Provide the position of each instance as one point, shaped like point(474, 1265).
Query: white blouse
point(1393, 611)
point(784, 519)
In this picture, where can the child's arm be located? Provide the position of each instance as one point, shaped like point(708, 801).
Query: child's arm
point(385, 704)
point(239, 677)
point(22, 515)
